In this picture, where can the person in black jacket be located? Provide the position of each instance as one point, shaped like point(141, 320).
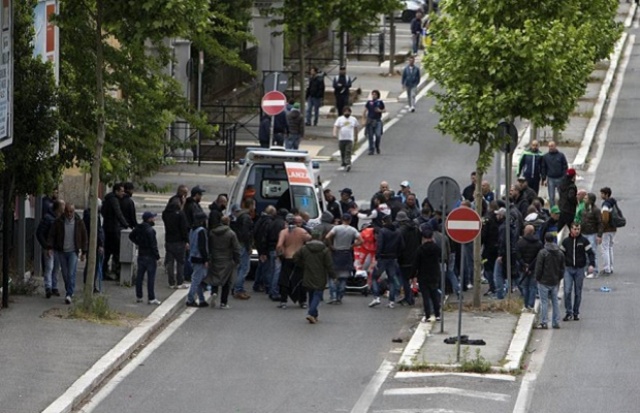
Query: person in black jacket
point(314, 94)
point(549, 271)
point(144, 236)
point(341, 89)
point(426, 268)
point(127, 206)
point(176, 239)
point(264, 270)
point(412, 239)
point(490, 239)
point(192, 204)
point(578, 253)
point(528, 247)
point(568, 199)
point(389, 247)
point(114, 222)
point(97, 281)
point(51, 263)
point(199, 257)
point(242, 225)
point(332, 205)
point(416, 31)
point(500, 269)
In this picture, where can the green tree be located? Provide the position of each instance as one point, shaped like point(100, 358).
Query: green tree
point(117, 97)
point(502, 60)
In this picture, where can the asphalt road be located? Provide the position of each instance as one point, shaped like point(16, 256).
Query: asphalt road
point(592, 364)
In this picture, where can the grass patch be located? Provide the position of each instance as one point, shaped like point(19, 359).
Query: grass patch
point(477, 364)
point(98, 311)
point(20, 286)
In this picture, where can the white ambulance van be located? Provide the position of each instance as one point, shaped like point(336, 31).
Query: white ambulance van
point(279, 177)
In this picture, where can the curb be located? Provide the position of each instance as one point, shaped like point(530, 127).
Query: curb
point(117, 356)
point(581, 158)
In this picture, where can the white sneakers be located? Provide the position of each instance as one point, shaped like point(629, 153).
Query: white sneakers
point(375, 302)
point(154, 302)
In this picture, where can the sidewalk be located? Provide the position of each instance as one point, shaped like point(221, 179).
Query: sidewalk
point(49, 359)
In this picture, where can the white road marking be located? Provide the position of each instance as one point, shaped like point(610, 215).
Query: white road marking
point(370, 392)
point(613, 102)
point(413, 391)
point(418, 375)
point(106, 390)
point(630, 17)
point(420, 411)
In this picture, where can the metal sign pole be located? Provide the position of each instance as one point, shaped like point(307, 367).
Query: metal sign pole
point(460, 299)
point(273, 118)
point(442, 263)
point(507, 228)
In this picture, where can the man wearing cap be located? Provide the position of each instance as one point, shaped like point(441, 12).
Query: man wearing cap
point(530, 166)
point(568, 200)
point(529, 194)
point(405, 189)
point(341, 89)
point(346, 129)
point(176, 243)
point(192, 204)
point(342, 238)
point(552, 170)
point(128, 206)
point(551, 225)
point(144, 236)
point(348, 206)
point(295, 119)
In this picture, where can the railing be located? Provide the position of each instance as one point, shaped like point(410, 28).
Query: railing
point(370, 44)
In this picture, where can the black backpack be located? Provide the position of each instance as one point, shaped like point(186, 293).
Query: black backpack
point(617, 219)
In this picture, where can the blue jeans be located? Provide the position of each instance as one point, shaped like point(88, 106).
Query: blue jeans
point(373, 131)
point(51, 268)
point(148, 264)
point(260, 280)
point(243, 269)
point(405, 275)
point(594, 246)
point(97, 280)
point(390, 266)
point(315, 296)
point(529, 287)
point(412, 91)
point(573, 280)
point(453, 280)
point(552, 185)
point(544, 291)
point(415, 40)
point(498, 280)
point(337, 288)
point(68, 266)
point(199, 273)
point(313, 103)
point(293, 141)
point(468, 263)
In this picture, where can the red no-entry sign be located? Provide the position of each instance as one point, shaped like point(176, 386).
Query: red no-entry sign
point(463, 225)
point(273, 103)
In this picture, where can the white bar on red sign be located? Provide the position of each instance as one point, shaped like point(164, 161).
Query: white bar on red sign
point(468, 225)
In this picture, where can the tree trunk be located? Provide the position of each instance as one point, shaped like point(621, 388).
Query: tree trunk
point(392, 46)
point(303, 69)
point(97, 159)
point(341, 53)
point(7, 226)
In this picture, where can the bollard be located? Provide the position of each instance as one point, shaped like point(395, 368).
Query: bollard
point(127, 259)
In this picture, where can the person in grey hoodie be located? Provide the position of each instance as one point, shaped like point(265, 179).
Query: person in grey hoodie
point(549, 272)
point(296, 127)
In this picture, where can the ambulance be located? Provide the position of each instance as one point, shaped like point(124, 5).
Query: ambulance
point(284, 178)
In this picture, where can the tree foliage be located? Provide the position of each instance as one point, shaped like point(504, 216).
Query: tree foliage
point(360, 17)
point(504, 59)
point(35, 121)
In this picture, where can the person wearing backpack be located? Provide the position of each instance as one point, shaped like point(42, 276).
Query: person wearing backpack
point(609, 209)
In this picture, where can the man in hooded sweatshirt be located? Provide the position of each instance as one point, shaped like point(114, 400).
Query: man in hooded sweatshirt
point(426, 269)
point(528, 247)
point(549, 271)
point(295, 119)
point(315, 260)
point(224, 257)
point(412, 239)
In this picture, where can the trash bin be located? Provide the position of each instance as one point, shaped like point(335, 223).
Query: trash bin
point(127, 258)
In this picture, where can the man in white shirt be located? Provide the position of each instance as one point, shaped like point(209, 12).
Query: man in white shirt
point(346, 129)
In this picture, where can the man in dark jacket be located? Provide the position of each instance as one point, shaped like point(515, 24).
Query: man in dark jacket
point(553, 168)
point(199, 257)
point(127, 206)
point(416, 31)
point(176, 238)
point(51, 263)
point(97, 280)
point(315, 260)
point(264, 131)
point(68, 239)
point(341, 89)
point(114, 222)
point(500, 273)
point(549, 271)
point(490, 239)
point(426, 268)
point(144, 236)
point(578, 253)
point(264, 271)
point(412, 239)
point(332, 205)
point(528, 247)
point(192, 204)
point(280, 129)
point(295, 121)
point(389, 247)
point(315, 94)
point(224, 256)
point(242, 225)
point(530, 166)
point(568, 200)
